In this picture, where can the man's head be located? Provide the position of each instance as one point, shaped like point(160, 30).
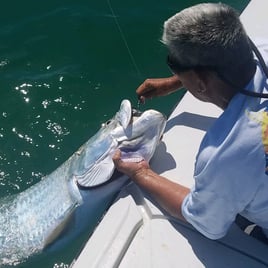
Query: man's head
point(209, 37)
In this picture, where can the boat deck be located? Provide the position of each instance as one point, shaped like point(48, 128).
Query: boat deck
point(136, 233)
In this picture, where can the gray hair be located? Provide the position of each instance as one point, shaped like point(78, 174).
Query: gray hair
point(209, 35)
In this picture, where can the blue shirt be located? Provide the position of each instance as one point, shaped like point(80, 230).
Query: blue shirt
point(231, 169)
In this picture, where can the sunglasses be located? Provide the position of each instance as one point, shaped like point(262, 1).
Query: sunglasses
point(177, 68)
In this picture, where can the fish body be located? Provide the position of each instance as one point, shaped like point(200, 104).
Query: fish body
point(33, 219)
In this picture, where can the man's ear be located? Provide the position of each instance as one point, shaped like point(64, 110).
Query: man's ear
point(202, 80)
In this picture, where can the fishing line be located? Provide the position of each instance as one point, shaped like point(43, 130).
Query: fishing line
point(124, 40)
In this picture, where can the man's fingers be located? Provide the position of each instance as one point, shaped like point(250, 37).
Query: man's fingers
point(141, 99)
point(117, 156)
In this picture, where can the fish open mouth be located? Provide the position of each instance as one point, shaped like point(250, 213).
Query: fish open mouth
point(134, 132)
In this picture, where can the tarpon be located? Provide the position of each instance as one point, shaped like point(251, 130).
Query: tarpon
point(34, 219)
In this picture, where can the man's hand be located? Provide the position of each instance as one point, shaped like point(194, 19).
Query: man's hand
point(131, 169)
point(156, 87)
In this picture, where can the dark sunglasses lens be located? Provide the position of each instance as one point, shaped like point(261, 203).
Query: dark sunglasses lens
point(175, 67)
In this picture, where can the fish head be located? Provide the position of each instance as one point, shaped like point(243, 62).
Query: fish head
point(135, 133)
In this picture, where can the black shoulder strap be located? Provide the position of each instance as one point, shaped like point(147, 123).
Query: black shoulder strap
point(264, 69)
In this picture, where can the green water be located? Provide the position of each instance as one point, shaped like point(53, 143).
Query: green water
point(65, 67)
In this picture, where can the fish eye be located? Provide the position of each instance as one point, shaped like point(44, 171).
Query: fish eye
point(106, 123)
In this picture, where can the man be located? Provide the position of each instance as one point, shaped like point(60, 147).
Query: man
point(211, 56)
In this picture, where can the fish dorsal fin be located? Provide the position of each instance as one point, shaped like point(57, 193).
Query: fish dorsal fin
point(125, 113)
point(98, 173)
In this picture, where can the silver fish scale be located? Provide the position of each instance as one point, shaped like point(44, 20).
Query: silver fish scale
point(28, 219)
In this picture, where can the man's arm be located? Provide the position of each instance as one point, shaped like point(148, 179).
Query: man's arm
point(169, 195)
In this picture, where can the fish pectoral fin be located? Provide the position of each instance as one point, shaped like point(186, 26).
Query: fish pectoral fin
point(98, 173)
point(57, 231)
